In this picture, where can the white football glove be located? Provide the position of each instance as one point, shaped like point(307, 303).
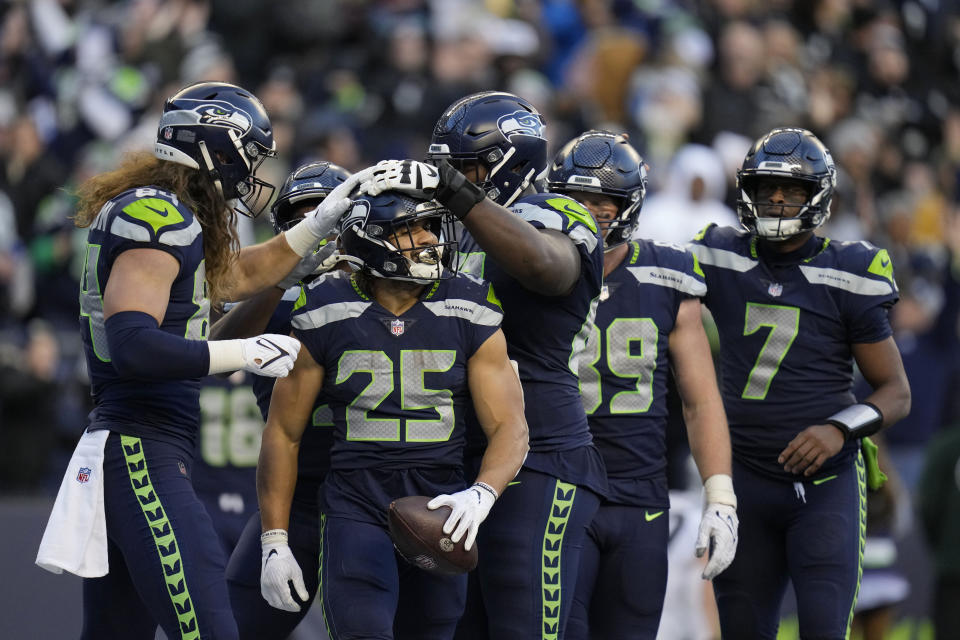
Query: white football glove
point(313, 263)
point(278, 569)
point(718, 532)
point(304, 236)
point(270, 354)
point(409, 176)
point(468, 509)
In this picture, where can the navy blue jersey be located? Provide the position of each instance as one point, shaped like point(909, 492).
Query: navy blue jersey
point(229, 444)
point(225, 465)
point(786, 325)
point(145, 218)
point(623, 373)
point(397, 386)
point(546, 335)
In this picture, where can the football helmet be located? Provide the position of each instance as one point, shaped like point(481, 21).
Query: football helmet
point(375, 228)
point(603, 162)
point(311, 183)
point(500, 131)
point(223, 130)
point(795, 155)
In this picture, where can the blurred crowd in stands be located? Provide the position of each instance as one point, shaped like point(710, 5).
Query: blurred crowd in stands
point(693, 82)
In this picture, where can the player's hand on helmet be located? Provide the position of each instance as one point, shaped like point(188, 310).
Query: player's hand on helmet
point(813, 446)
point(468, 509)
point(718, 533)
point(315, 263)
point(270, 354)
point(278, 570)
point(409, 176)
point(304, 236)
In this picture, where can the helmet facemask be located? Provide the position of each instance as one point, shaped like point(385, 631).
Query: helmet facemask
point(793, 157)
point(390, 248)
point(235, 175)
point(619, 230)
point(795, 217)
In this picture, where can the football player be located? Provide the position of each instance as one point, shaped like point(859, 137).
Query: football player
point(648, 320)
point(794, 312)
point(544, 258)
point(398, 351)
point(162, 244)
point(304, 189)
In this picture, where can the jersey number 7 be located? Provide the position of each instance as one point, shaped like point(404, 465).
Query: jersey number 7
point(784, 323)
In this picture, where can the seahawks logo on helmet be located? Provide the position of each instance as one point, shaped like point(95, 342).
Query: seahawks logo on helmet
point(214, 114)
point(357, 216)
point(520, 123)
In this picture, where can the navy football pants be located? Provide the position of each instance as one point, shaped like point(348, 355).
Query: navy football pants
point(257, 620)
point(623, 575)
point(369, 592)
point(530, 547)
point(810, 533)
point(166, 562)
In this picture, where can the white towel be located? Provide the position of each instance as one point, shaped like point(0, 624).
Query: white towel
point(75, 539)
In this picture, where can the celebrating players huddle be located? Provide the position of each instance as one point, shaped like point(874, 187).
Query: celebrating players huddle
point(442, 329)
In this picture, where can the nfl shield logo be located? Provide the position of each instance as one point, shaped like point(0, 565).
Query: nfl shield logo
point(167, 133)
point(83, 476)
point(396, 327)
point(775, 289)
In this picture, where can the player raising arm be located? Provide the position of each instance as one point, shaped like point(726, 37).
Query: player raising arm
point(161, 244)
point(545, 261)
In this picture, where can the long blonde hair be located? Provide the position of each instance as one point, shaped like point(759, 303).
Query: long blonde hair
point(195, 190)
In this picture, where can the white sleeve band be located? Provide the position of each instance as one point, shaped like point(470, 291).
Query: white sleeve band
point(301, 239)
point(858, 420)
point(718, 488)
point(225, 355)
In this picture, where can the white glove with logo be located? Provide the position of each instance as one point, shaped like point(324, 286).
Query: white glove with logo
point(409, 176)
point(718, 532)
point(469, 508)
point(278, 569)
point(304, 236)
point(719, 524)
point(313, 263)
point(271, 355)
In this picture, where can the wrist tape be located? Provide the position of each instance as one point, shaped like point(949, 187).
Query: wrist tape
point(273, 536)
point(718, 488)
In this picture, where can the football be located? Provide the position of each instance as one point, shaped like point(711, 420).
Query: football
point(417, 533)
